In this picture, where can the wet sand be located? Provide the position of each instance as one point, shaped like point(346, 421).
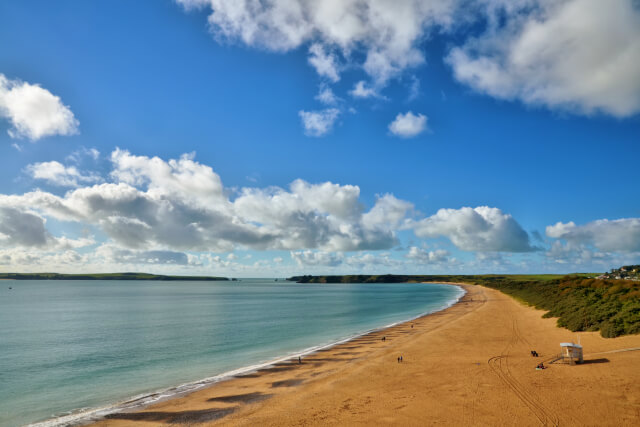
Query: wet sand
point(467, 365)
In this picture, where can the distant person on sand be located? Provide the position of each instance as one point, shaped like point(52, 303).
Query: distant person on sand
point(299, 360)
point(401, 359)
point(384, 338)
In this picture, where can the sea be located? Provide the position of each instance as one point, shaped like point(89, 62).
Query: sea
point(71, 351)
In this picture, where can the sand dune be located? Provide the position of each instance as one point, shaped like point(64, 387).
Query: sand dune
point(467, 365)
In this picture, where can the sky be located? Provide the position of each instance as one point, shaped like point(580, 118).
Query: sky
point(280, 137)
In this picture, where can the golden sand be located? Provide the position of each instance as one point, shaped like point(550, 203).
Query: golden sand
point(467, 365)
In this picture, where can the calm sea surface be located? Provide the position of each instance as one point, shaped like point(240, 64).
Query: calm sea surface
point(72, 345)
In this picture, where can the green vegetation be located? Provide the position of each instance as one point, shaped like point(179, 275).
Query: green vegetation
point(580, 301)
point(102, 276)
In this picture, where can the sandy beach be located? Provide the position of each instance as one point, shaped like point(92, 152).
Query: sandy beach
point(467, 365)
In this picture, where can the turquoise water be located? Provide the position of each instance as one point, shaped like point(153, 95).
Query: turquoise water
point(71, 345)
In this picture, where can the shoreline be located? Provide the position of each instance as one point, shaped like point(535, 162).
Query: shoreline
point(133, 404)
point(468, 364)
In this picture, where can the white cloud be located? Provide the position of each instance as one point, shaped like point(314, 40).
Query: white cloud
point(182, 205)
point(423, 256)
point(482, 229)
point(184, 177)
point(363, 91)
point(408, 125)
point(34, 112)
point(369, 262)
point(536, 51)
point(326, 216)
point(318, 123)
point(414, 88)
point(620, 235)
point(20, 228)
point(388, 212)
point(325, 63)
point(113, 255)
point(326, 96)
point(314, 258)
point(56, 173)
point(26, 229)
point(173, 213)
point(576, 55)
point(386, 33)
point(31, 260)
point(80, 153)
point(569, 253)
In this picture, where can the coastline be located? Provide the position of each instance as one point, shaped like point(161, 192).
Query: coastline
point(468, 364)
point(134, 404)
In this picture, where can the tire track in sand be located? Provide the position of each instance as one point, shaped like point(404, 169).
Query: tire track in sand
point(500, 366)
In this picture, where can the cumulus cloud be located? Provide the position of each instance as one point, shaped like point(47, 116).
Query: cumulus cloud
point(82, 152)
point(115, 255)
point(414, 89)
point(368, 261)
point(56, 173)
point(387, 33)
point(325, 63)
point(25, 229)
point(482, 229)
point(181, 204)
point(575, 254)
point(326, 96)
point(423, 256)
point(363, 91)
point(40, 260)
point(576, 55)
point(620, 235)
point(159, 212)
point(327, 216)
point(318, 123)
point(408, 125)
point(22, 228)
point(314, 258)
point(33, 111)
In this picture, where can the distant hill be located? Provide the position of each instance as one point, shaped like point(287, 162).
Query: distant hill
point(103, 276)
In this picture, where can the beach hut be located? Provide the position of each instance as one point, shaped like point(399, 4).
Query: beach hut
point(571, 352)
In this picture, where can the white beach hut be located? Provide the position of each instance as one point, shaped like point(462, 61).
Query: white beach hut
point(571, 352)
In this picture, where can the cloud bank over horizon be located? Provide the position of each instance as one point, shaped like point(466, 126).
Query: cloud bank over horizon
point(177, 214)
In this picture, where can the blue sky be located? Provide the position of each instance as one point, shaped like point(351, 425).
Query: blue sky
point(460, 107)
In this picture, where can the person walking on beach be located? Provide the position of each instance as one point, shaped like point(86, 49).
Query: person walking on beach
point(299, 360)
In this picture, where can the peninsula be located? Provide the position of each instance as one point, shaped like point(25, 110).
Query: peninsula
point(103, 276)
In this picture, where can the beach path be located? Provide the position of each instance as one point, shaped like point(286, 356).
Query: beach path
point(467, 365)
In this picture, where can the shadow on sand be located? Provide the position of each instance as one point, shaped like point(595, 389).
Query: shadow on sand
point(179, 417)
point(588, 362)
point(242, 398)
